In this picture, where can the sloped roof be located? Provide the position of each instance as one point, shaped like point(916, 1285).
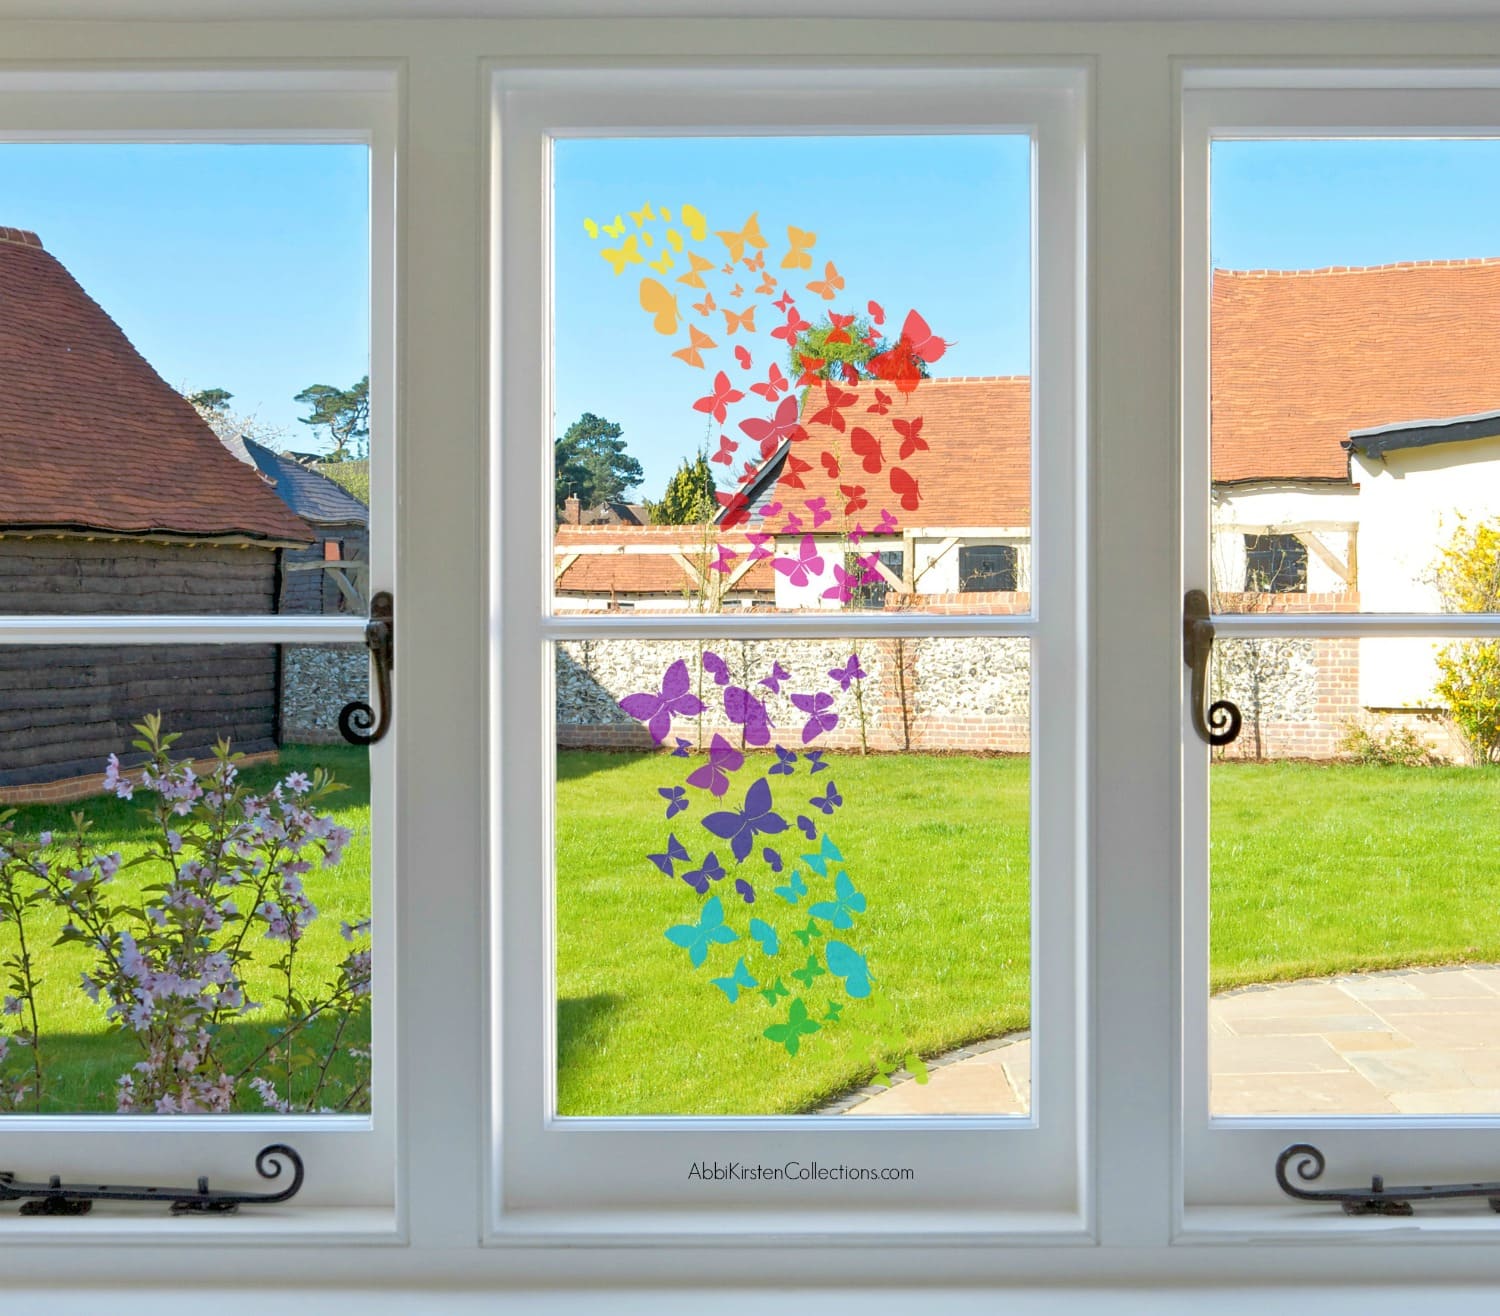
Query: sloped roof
point(1303, 357)
point(92, 438)
point(636, 572)
point(312, 496)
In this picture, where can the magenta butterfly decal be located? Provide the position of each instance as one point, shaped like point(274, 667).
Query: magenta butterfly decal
point(713, 776)
point(749, 712)
point(807, 564)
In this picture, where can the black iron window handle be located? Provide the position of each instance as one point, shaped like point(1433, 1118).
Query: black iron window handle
point(357, 721)
point(1222, 722)
point(1377, 1199)
point(57, 1198)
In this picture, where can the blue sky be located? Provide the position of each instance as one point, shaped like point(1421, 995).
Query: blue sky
point(237, 267)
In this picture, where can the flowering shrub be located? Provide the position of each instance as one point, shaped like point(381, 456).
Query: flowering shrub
point(226, 869)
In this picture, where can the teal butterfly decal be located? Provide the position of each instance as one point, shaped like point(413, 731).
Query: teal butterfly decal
point(806, 935)
point(819, 862)
point(764, 933)
point(847, 902)
point(797, 1026)
point(709, 930)
point(812, 969)
point(835, 1009)
point(847, 963)
point(731, 985)
point(794, 888)
point(774, 992)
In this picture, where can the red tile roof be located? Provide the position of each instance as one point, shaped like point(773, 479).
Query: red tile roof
point(1301, 357)
point(92, 438)
point(648, 572)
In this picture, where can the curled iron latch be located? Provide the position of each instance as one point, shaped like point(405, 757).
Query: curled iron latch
point(1377, 1199)
point(1222, 722)
point(57, 1198)
point(357, 722)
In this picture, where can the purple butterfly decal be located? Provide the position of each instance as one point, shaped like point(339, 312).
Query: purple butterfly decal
point(675, 797)
point(681, 752)
point(820, 714)
point(828, 801)
point(699, 878)
point(749, 712)
point(809, 828)
point(745, 889)
point(815, 758)
point(676, 851)
point(778, 675)
point(784, 760)
point(723, 758)
point(716, 667)
point(773, 858)
point(656, 711)
point(740, 826)
point(850, 671)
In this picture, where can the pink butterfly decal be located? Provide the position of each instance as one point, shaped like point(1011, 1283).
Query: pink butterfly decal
point(759, 552)
point(722, 562)
point(793, 524)
point(819, 509)
point(842, 587)
point(801, 569)
point(888, 524)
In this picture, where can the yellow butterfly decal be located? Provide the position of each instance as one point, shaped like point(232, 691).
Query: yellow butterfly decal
point(664, 264)
point(642, 215)
point(749, 236)
point(666, 215)
point(767, 284)
point(627, 253)
point(648, 239)
point(705, 306)
point(591, 228)
point(616, 229)
point(698, 343)
point(694, 277)
point(693, 220)
point(738, 320)
point(657, 301)
point(801, 243)
point(831, 281)
point(675, 238)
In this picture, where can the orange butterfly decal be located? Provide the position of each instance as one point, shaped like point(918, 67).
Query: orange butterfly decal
point(911, 436)
point(866, 445)
point(658, 302)
point(698, 343)
point(903, 484)
point(839, 333)
point(755, 262)
point(749, 236)
point(831, 282)
point(705, 306)
point(766, 284)
point(694, 277)
point(801, 241)
point(735, 321)
point(737, 291)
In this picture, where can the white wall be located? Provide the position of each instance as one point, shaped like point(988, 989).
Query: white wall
point(1244, 509)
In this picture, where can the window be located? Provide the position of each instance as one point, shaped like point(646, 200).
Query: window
point(1275, 564)
point(987, 568)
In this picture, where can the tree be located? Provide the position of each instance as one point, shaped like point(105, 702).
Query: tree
point(849, 347)
point(344, 413)
point(689, 499)
point(212, 406)
point(1468, 578)
point(590, 461)
point(211, 399)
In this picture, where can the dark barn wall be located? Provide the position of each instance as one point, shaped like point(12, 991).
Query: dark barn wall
point(314, 591)
point(63, 710)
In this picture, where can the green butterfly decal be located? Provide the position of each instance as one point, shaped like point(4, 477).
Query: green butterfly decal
point(819, 862)
point(794, 888)
point(731, 985)
point(764, 933)
point(710, 929)
point(812, 969)
point(806, 935)
point(774, 992)
point(835, 1009)
point(847, 963)
point(797, 1026)
point(847, 902)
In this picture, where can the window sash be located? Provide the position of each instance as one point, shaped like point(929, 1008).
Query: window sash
point(629, 1175)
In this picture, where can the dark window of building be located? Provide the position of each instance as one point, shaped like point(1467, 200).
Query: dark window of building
point(1275, 564)
point(987, 568)
point(872, 594)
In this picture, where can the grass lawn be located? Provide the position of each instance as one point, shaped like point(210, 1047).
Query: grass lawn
point(82, 1058)
point(1316, 869)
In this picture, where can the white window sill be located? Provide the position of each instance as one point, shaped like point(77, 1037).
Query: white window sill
point(1317, 1224)
point(314, 1226)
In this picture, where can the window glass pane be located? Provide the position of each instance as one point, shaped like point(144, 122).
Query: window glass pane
point(767, 398)
point(784, 867)
point(202, 944)
point(184, 426)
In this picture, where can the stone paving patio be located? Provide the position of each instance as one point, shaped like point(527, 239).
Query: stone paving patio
point(1409, 1042)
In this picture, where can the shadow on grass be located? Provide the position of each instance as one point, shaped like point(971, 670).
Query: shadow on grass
point(583, 1026)
point(575, 764)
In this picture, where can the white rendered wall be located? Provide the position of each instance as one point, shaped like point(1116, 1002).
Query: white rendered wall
point(1239, 510)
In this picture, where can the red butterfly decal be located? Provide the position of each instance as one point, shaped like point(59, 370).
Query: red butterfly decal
point(735, 508)
point(840, 331)
point(810, 367)
point(905, 486)
point(742, 355)
point(851, 372)
point(794, 325)
point(791, 473)
point(831, 465)
point(783, 302)
point(902, 365)
point(866, 445)
point(882, 403)
point(717, 403)
point(831, 415)
point(911, 436)
point(727, 448)
point(781, 427)
point(776, 384)
point(877, 312)
point(855, 493)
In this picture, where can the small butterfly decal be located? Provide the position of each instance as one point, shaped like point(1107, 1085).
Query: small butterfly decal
point(764, 933)
point(773, 859)
point(847, 902)
point(744, 709)
point(681, 752)
point(627, 253)
point(797, 1026)
point(675, 797)
point(696, 938)
point(809, 828)
point(676, 852)
point(800, 570)
point(819, 509)
point(676, 698)
point(827, 802)
point(815, 757)
point(809, 934)
point(713, 776)
point(699, 878)
point(785, 759)
point(820, 714)
point(778, 675)
point(742, 355)
point(746, 891)
point(616, 229)
point(793, 890)
point(835, 1009)
point(716, 667)
point(809, 971)
point(850, 671)
point(740, 826)
point(827, 853)
point(847, 963)
point(732, 985)
point(775, 992)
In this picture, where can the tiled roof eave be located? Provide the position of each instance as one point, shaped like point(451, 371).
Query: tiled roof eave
point(153, 535)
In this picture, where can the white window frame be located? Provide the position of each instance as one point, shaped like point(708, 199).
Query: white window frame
point(1010, 1178)
point(350, 1186)
point(1227, 1185)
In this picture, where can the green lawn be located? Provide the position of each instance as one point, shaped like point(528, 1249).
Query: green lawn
point(1316, 869)
point(81, 1056)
